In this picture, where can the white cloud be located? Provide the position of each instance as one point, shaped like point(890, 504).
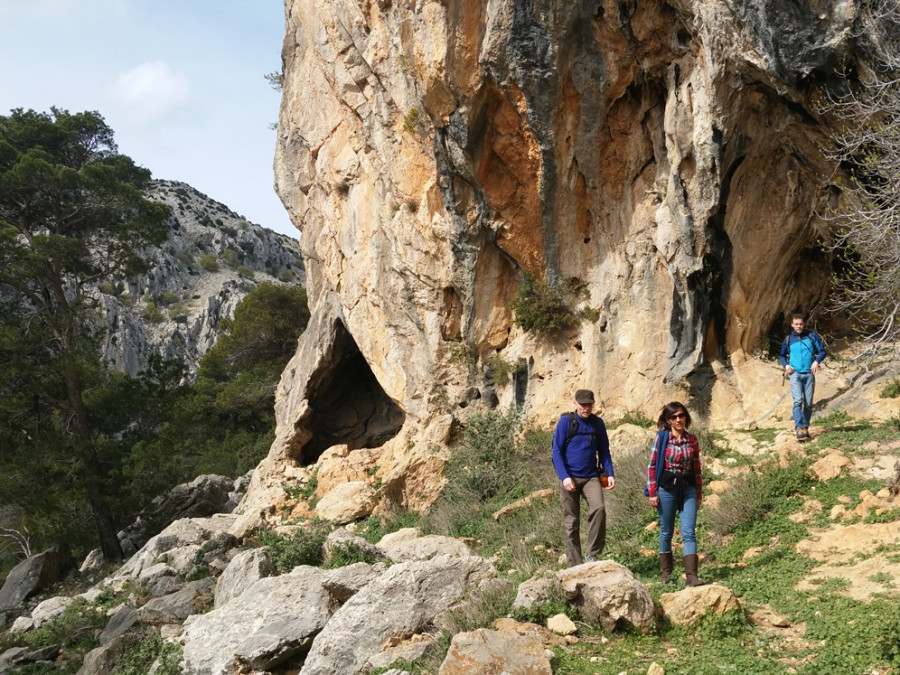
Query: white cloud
point(151, 93)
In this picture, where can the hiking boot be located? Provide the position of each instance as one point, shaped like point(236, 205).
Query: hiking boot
point(666, 564)
point(690, 571)
point(802, 435)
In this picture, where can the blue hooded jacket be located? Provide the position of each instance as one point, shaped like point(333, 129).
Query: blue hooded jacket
point(801, 349)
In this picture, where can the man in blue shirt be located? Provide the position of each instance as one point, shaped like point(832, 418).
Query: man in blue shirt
point(580, 454)
point(801, 353)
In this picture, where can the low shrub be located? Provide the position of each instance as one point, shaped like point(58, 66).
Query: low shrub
point(303, 546)
point(141, 658)
point(543, 309)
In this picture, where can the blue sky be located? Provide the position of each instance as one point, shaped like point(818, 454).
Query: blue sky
point(181, 82)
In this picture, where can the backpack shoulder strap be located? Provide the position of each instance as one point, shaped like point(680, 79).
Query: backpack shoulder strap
point(573, 427)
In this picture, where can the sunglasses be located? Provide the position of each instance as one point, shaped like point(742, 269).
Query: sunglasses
point(677, 416)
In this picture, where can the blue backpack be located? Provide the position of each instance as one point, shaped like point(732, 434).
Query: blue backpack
point(662, 440)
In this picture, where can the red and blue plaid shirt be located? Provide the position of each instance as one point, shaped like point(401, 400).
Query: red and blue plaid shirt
point(682, 456)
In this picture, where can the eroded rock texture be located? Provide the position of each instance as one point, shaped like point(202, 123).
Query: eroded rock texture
point(663, 154)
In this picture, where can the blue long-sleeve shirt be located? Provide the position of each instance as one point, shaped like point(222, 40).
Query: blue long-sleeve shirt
point(801, 349)
point(586, 453)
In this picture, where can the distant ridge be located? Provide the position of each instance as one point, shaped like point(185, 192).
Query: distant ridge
point(211, 260)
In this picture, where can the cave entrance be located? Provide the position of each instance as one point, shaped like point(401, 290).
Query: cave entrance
point(347, 405)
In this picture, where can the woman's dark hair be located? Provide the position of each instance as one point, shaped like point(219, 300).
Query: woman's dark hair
point(670, 409)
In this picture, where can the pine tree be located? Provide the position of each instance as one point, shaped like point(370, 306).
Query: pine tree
point(72, 213)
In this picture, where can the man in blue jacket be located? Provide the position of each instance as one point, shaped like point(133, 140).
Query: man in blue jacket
point(801, 353)
point(580, 457)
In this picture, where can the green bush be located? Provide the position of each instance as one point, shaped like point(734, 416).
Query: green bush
point(209, 262)
point(246, 272)
point(891, 389)
point(231, 257)
point(636, 417)
point(303, 546)
point(348, 553)
point(151, 313)
point(138, 659)
point(484, 465)
point(497, 370)
point(543, 309)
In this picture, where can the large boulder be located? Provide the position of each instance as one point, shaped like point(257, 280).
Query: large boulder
point(408, 598)
point(607, 593)
point(244, 570)
point(200, 498)
point(271, 622)
point(32, 575)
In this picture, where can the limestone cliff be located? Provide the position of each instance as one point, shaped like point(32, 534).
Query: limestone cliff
point(663, 154)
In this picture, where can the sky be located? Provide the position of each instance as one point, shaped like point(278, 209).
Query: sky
point(181, 83)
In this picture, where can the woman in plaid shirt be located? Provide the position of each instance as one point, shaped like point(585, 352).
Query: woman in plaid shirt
point(674, 483)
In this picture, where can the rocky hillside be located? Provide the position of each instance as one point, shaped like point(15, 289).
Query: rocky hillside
point(210, 261)
point(798, 548)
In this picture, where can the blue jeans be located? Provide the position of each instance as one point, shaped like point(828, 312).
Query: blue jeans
point(668, 505)
point(802, 387)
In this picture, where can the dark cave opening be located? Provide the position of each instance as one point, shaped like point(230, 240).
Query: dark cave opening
point(347, 404)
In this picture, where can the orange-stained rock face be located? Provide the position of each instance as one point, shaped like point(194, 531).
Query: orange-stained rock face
point(663, 155)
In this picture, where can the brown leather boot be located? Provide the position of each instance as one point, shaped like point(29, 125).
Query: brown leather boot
point(690, 571)
point(666, 564)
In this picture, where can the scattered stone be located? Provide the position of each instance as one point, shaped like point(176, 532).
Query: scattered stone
point(178, 606)
point(830, 467)
point(49, 609)
point(524, 502)
point(561, 625)
point(104, 660)
point(491, 652)
point(688, 605)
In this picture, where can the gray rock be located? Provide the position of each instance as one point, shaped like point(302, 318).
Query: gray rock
point(121, 619)
point(185, 532)
point(202, 497)
point(175, 607)
point(105, 659)
point(274, 620)
point(49, 609)
point(534, 592)
point(345, 582)
point(11, 657)
point(34, 574)
point(405, 600)
point(422, 548)
point(243, 571)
